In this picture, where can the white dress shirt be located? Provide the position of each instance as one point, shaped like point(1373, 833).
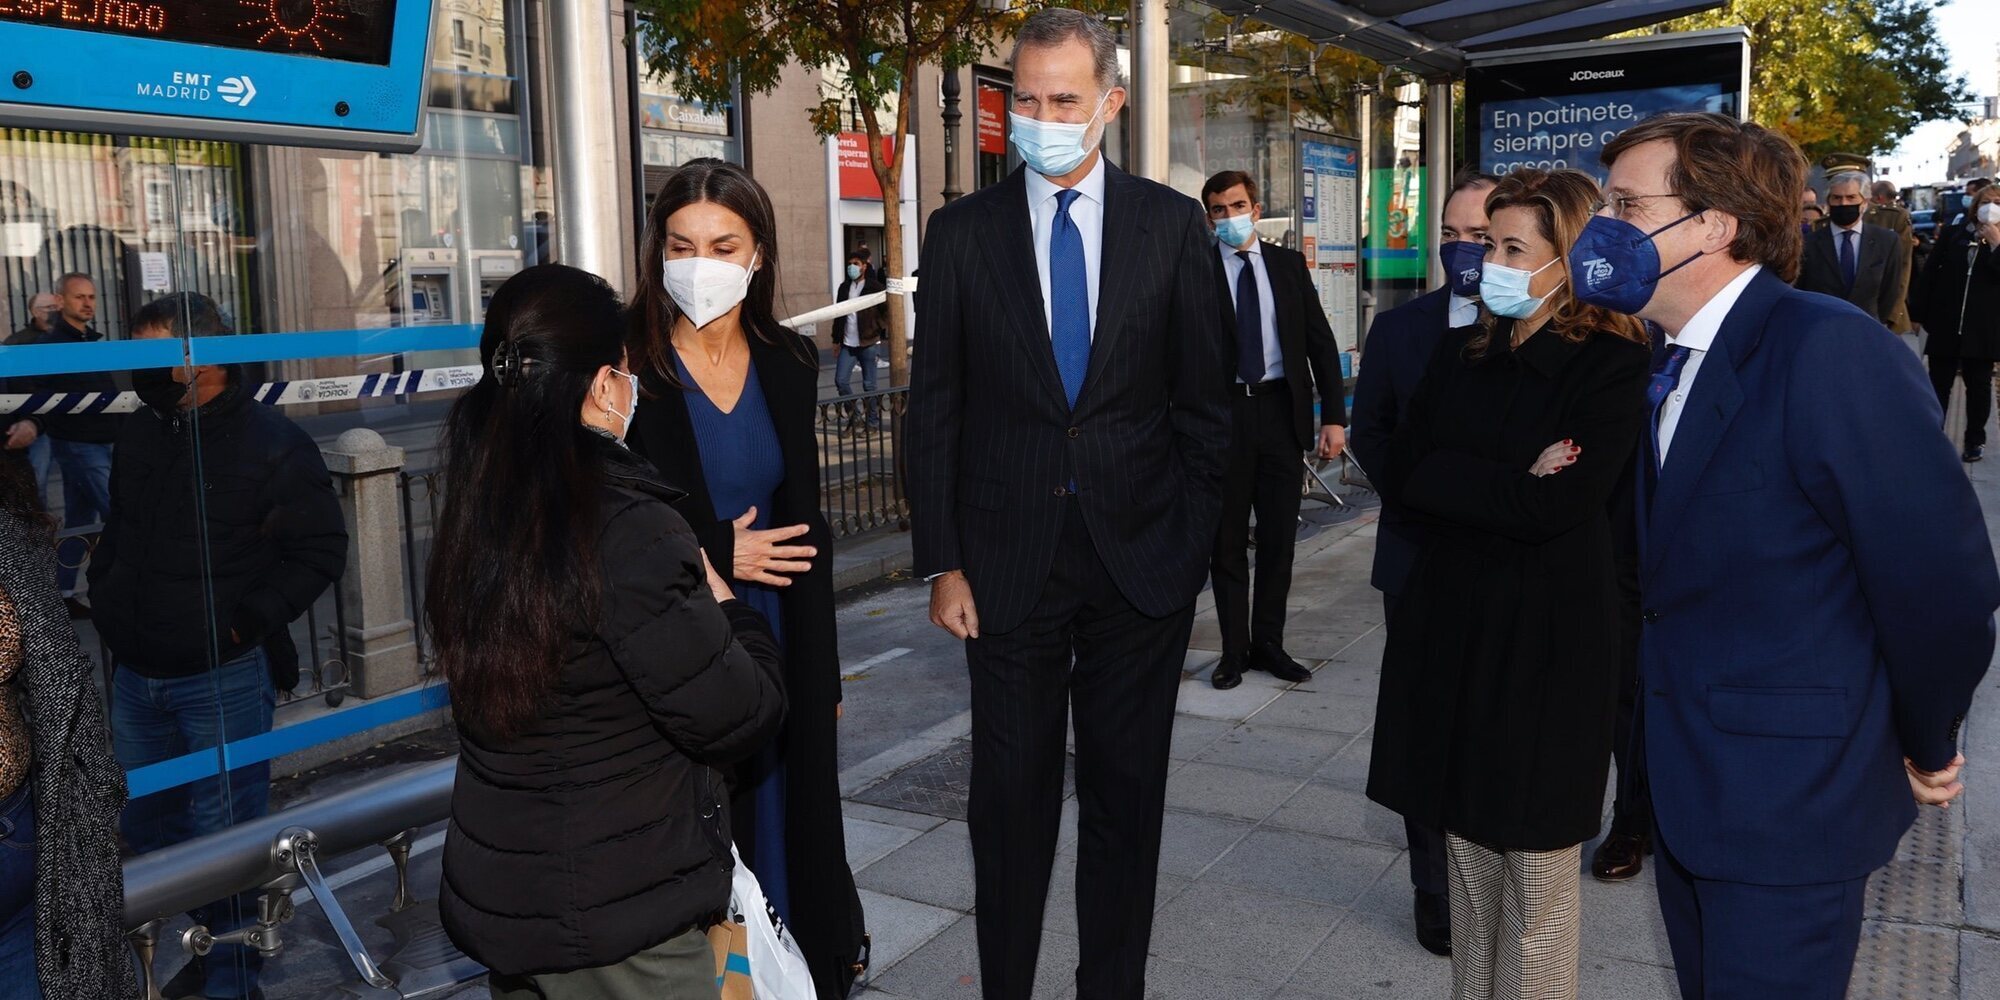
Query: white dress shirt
point(1087, 211)
point(1698, 336)
point(853, 320)
point(1232, 266)
point(1463, 311)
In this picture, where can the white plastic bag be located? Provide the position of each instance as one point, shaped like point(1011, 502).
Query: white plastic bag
point(778, 969)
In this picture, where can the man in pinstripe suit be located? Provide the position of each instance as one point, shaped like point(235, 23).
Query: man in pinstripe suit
point(1067, 436)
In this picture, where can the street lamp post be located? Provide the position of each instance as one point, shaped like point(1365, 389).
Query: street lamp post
point(951, 118)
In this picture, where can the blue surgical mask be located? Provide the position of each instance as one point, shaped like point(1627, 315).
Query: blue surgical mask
point(1616, 265)
point(1235, 230)
point(853, 272)
point(1463, 260)
point(1504, 290)
point(1053, 149)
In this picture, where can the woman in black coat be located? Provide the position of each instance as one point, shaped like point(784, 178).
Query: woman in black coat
point(1958, 305)
point(1500, 682)
point(729, 413)
point(600, 672)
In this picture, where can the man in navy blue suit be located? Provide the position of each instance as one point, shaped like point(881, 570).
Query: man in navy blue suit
point(1816, 578)
point(1398, 349)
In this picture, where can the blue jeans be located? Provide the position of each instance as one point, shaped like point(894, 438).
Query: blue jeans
point(86, 470)
point(865, 357)
point(159, 719)
point(18, 978)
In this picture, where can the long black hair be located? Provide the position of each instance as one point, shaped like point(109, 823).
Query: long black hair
point(654, 312)
point(513, 568)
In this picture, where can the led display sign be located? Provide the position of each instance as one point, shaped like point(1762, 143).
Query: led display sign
point(350, 30)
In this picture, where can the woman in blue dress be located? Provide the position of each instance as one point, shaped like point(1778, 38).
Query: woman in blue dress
point(727, 411)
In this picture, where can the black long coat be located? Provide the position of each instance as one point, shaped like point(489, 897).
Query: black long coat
point(1952, 287)
point(826, 910)
point(1500, 684)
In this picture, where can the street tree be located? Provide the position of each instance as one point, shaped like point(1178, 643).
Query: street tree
point(705, 46)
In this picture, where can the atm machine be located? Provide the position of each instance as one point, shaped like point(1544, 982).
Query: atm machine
point(430, 286)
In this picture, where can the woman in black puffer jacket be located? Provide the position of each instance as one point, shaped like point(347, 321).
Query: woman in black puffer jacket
point(1957, 302)
point(600, 671)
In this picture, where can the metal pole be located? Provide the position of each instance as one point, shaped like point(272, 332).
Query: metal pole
point(583, 133)
point(1438, 165)
point(951, 116)
point(1152, 64)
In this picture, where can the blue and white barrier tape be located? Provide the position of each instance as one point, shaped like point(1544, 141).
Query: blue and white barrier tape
point(315, 390)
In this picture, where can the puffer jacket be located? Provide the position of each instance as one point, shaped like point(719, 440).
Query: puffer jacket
point(600, 830)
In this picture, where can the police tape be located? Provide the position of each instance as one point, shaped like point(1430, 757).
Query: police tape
point(313, 390)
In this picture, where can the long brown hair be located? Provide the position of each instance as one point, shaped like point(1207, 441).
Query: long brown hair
point(653, 312)
point(1562, 202)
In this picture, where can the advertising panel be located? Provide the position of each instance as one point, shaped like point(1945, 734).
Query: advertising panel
point(1330, 223)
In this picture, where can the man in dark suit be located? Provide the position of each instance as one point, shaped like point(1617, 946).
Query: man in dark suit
point(1281, 331)
point(1067, 436)
point(1398, 349)
point(1849, 259)
point(857, 337)
point(1817, 582)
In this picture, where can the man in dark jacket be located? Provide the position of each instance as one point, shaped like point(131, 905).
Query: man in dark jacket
point(858, 337)
point(223, 529)
point(79, 442)
point(1852, 260)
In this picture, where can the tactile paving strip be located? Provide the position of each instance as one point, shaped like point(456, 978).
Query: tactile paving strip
point(1917, 892)
point(939, 785)
point(1901, 962)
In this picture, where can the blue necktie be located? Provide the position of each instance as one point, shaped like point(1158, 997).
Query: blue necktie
point(1249, 324)
point(1069, 299)
point(1663, 384)
point(1847, 265)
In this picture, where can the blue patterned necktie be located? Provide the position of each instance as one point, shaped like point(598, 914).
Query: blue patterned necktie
point(1847, 263)
point(1069, 299)
point(1662, 385)
point(1249, 324)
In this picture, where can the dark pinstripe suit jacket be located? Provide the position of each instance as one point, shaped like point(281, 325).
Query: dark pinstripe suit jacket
point(992, 442)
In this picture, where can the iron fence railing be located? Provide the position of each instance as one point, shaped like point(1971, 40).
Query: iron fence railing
point(861, 480)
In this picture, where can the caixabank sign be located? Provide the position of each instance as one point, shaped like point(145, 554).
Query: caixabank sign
point(1553, 107)
point(339, 73)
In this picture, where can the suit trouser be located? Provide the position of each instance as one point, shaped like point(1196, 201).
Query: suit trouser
point(1735, 941)
point(1083, 650)
point(1428, 864)
point(1978, 377)
point(1265, 475)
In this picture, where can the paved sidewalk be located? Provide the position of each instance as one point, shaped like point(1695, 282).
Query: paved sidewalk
point(1280, 879)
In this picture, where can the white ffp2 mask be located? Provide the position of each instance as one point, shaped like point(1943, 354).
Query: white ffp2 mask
point(705, 288)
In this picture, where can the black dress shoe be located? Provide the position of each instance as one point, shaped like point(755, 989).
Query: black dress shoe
point(1974, 453)
point(1228, 673)
point(1433, 913)
point(1273, 660)
point(1621, 856)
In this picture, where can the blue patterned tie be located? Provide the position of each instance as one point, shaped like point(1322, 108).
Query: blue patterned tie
point(1249, 324)
point(1663, 384)
point(1069, 299)
point(1847, 265)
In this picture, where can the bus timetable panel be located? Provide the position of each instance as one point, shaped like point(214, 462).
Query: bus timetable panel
point(340, 73)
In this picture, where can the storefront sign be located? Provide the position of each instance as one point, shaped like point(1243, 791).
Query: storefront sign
point(992, 120)
point(1330, 218)
point(1550, 108)
point(857, 174)
point(669, 112)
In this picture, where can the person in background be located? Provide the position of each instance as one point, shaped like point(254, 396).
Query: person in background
point(858, 339)
point(223, 529)
point(1810, 216)
point(1818, 581)
point(26, 433)
point(728, 406)
point(1500, 685)
point(1067, 440)
point(1852, 260)
point(1886, 211)
point(61, 885)
point(80, 443)
point(1972, 189)
point(1958, 308)
point(1285, 358)
point(600, 671)
point(1395, 356)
